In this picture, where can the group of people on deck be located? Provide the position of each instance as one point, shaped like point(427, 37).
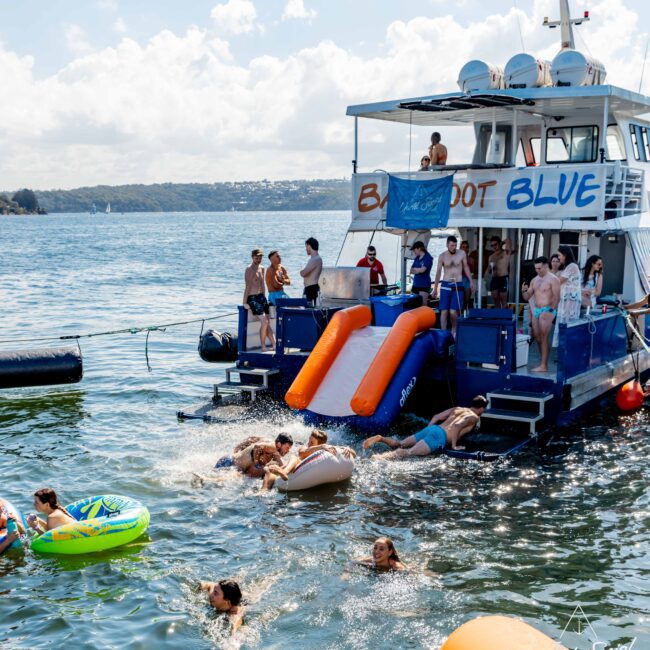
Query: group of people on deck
point(276, 278)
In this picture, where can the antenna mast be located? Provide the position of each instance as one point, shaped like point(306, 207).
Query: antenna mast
point(566, 24)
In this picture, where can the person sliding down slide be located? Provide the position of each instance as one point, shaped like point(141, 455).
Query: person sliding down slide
point(456, 422)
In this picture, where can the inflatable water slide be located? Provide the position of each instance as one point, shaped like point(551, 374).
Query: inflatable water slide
point(360, 374)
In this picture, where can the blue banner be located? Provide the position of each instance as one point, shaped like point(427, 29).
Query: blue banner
point(418, 204)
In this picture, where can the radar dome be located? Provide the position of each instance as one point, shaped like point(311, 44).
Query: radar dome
point(479, 76)
point(526, 71)
point(573, 68)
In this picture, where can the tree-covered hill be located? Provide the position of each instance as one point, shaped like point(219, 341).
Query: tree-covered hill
point(184, 197)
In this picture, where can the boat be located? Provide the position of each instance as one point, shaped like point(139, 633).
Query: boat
point(560, 158)
point(108, 208)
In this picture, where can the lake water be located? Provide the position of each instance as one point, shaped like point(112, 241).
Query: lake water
point(533, 537)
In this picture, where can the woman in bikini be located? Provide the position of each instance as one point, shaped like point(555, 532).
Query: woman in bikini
point(384, 557)
point(46, 501)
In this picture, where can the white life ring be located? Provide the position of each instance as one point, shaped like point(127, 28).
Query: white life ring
point(317, 469)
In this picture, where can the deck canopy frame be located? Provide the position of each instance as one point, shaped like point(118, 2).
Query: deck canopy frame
point(554, 103)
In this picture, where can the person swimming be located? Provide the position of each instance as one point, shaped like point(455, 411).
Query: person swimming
point(225, 596)
point(46, 502)
point(384, 557)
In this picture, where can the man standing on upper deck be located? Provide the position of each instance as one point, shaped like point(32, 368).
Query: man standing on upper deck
point(371, 262)
point(545, 289)
point(500, 266)
point(437, 151)
point(452, 299)
point(311, 273)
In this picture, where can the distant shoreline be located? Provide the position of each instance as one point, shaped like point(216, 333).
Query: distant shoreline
point(243, 196)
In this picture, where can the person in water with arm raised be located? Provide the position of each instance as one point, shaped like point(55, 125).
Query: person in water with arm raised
point(225, 596)
point(455, 423)
point(46, 502)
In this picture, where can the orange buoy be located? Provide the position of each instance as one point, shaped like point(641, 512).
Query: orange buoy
point(630, 396)
point(499, 633)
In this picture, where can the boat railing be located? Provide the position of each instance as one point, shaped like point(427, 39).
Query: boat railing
point(576, 191)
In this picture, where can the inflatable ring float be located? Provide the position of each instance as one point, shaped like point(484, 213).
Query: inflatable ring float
point(317, 469)
point(15, 513)
point(103, 522)
point(498, 633)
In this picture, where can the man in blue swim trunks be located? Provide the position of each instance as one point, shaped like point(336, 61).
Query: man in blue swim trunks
point(452, 295)
point(455, 423)
point(543, 295)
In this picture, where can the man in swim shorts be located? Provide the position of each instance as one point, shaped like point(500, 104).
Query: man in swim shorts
point(455, 423)
point(255, 299)
point(543, 295)
point(452, 295)
point(277, 278)
point(499, 262)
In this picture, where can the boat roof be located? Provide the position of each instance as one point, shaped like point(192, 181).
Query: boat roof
point(458, 108)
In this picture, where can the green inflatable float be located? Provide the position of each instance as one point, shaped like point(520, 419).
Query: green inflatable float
point(103, 522)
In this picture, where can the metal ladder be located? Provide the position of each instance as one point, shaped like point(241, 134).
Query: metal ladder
point(230, 387)
point(516, 406)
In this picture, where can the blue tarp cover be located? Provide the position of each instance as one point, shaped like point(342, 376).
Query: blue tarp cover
point(418, 204)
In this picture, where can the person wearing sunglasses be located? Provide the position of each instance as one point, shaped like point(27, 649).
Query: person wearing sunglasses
point(371, 262)
point(424, 164)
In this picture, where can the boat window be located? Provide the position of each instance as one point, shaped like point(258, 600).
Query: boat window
point(533, 245)
point(635, 142)
point(646, 143)
point(615, 145)
point(535, 145)
point(521, 155)
point(572, 144)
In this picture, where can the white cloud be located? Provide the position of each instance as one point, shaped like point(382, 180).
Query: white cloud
point(295, 9)
point(110, 5)
point(236, 16)
point(75, 38)
point(179, 107)
point(119, 26)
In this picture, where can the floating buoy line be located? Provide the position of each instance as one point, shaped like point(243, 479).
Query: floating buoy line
point(126, 330)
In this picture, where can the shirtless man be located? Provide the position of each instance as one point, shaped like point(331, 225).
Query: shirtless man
point(276, 278)
point(437, 151)
point(545, 290)
point(456, 422)
point(500, 265)
point(452, 297)
point(255, 299)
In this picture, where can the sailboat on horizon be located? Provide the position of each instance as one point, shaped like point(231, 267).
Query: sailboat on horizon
point(108, 208)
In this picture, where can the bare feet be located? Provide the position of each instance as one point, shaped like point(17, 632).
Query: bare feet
point(369, 442)
point(540, 369)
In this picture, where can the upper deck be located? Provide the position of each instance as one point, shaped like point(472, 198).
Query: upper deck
point(558, 156)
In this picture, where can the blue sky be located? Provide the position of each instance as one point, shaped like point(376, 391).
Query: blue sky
point(118, 91)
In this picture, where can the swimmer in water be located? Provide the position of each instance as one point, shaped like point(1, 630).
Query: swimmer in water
point(225, 596)
point(46, 501)
point(384, 557)
point(251, 456)
point(317, 442)
point(13, 536)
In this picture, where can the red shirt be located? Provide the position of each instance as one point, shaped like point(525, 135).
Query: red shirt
point(376, 269)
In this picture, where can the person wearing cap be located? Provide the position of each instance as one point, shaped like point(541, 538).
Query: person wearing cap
point(421, 271)
point(277, 278)
point(255, 298)
point(424, 164)
point(371, 262)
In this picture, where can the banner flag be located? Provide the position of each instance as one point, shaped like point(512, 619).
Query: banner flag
point(418, 204)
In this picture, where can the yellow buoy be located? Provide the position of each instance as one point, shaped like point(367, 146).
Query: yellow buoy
point(499, 633)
